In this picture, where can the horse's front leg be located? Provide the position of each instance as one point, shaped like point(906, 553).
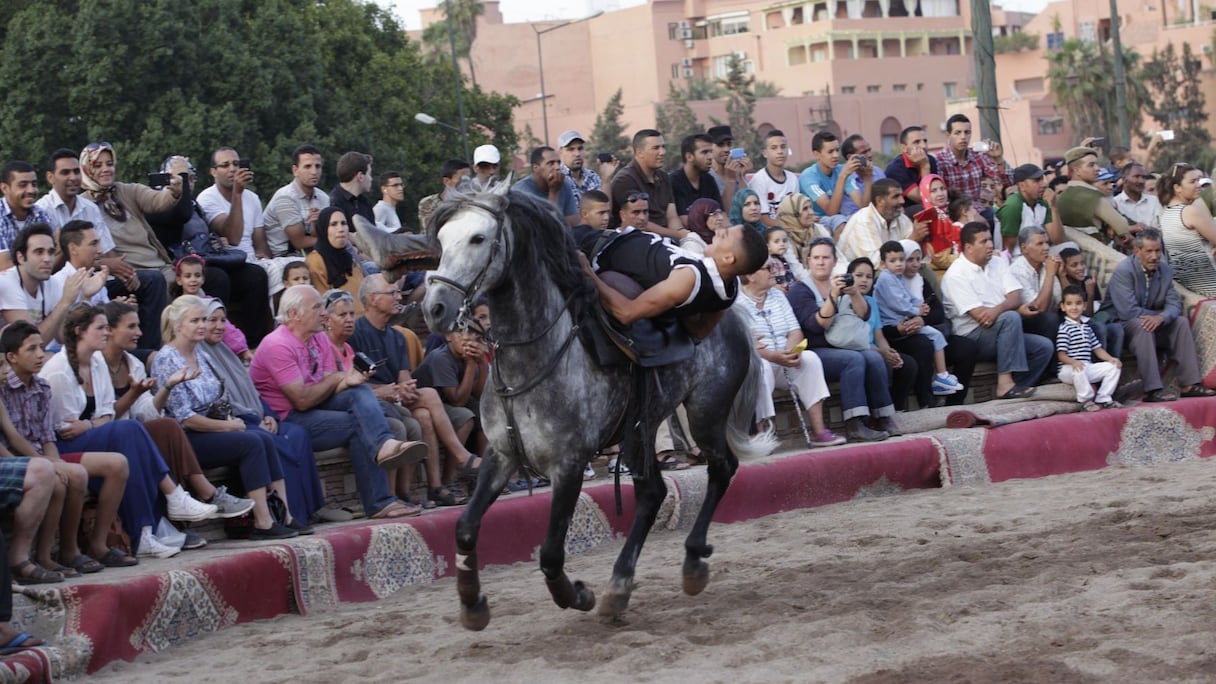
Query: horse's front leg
point(566, 488)
point(649, 493)
point(492, 477)
point(721, 471)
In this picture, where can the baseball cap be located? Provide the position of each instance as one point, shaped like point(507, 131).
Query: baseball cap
point(1106, 175)
point(1026, 172)
point(720, 134)
point(1077, 153)
point(1204, 182)
point(568, 137)
point(486, 154)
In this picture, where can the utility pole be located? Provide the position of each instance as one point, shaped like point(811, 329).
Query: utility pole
point(464, 130)
point(985, 70)
point(1125, 132)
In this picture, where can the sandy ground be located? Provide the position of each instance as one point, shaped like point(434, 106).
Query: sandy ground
point(1093, 577)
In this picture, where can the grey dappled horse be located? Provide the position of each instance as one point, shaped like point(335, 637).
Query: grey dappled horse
point(552, 406)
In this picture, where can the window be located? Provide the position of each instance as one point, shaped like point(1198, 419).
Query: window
point(848, 90)
point(675, 70)
point(673, 30)
point(721, 65)
point(899, 87)
point(1055, 41)
point(873, 88)
point(728, 26)
point(951, 89)
point(920, 87)
point(1088, 32)
point(819, 54)
point(1051, 125)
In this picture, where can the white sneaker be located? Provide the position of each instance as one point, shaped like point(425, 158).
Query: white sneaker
point(186, 508)
point(150, 546)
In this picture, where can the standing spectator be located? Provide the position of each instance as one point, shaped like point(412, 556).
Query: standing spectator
point(773, 183)
point(548, 183)
point(123, 206)
point(331, 264)
point(984, 304)
point(354, 183)
point(451, 174)
point(295, 372)
point(392, 192)
point(962, 167)
point(644, 175)
point(571, 145)
point(913, 163)
point(291, 215)
point(828, 181)
point(731, 165)
point(1141, 295)
point(691, 181)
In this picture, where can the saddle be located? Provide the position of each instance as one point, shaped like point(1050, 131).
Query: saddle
point(649, 343)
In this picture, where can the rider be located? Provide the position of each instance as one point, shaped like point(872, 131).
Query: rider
point(696, 289)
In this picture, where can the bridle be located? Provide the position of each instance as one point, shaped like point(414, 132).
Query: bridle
point(464, 317)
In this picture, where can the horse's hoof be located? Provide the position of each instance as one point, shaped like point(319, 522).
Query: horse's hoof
point(475, 617)
point(614, 604)
point(696, 579)
point(584, 597)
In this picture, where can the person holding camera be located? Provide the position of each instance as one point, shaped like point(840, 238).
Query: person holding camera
point(963, 164)
point(828, 181)
point(218, 437)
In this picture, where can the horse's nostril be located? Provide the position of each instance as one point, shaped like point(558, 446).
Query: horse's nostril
point(437, 310)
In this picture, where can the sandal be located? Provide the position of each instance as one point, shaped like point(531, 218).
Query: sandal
point(697, 458)
point(1090, 406)
point(38, 575)
point(19, 642)
point(68, 573)
point(440, 496)
point(1112, 404)
point(1159, 396)
point(672, 462)
point(1198, 391)
point(85, 565)
point(1018, 393)
point(515, 486)
point(397, 509)
point(115, 558)
point(468, 472)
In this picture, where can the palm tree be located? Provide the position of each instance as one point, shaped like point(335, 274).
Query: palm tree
point(463, 15)
point(1082, 82)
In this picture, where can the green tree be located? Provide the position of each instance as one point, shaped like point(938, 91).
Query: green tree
point(704, 89)
point(608, 133)
point(741, 106)
point(676, 120)
point(766, 89)
point(1015, 42)
point(1177, 103)
point(464, 14)
point(1082, 80)
point(160, 77)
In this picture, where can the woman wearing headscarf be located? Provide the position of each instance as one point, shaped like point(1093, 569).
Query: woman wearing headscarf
point(796, 215)
point(746, 209)
point(331, 265)
point(941, 246)
point(705, 216)
point(123, 206)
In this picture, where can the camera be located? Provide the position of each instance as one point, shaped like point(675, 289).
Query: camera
point(848, 279)
point(861, 160)
point(737, 153)
point(604, 157)
point(364, 364)
point(159, 180)
point(980, 146)
point(242, 163)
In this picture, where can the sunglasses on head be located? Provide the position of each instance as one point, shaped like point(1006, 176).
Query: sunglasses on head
point(822, 241)
point(94, 146)
point(635, 196)
point(335, 296)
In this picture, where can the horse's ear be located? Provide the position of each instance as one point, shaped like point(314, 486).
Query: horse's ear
point(501, 189)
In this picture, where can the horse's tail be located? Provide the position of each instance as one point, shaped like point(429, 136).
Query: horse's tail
point(743, 415)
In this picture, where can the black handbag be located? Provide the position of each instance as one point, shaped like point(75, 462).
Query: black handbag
point(219, 408)
point(198, 239)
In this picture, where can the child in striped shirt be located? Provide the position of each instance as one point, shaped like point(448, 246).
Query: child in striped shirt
point(1076, 347)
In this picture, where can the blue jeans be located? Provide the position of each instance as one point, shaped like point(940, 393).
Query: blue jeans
point(352, 418)
point(252, 451)
point(1110, 336)
point(863, 381)
point(1024, 355)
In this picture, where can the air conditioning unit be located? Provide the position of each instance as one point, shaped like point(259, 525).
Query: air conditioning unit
point(686, 34)
point(690, 43)
point(685, 24)
point(688, 73)
point(686, 62)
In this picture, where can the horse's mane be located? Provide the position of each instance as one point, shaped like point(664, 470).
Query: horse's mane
point(540, 239)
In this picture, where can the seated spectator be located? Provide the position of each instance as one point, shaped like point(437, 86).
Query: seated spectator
point(857, 146)
point(548, 183)
point(1109, 333)
point(861, 372)
point(29, 293)
point(354, 171)
point(242, 285)
point(881, 221)
point(778, 242)
point(903, 368)
point(190, 274)
point(575, 166)
point(829, 181)
point(63, 202)
point(214, 430)
point(10, 637)
point(594, 213)
point(940, 246)
point(984, 304)
point(1029, 205)
point(1039, 275)
point(28, 485)
point(1082, 205)
point(897, 303)
point(485, 167)
point(82, 411)
point(458, 372)
point(295, 372)
point(123, 207)
point(451, 174)
point(138, 397)
point(747, 210)
point(1133, 202)
point(331, 264)
point(18, 196)
point(1188, 230)
point(773, 183)
point(1076, 347)
point(79, 248)
point(392, 193)
point(644, 176)
point(291, 214)
point(796, 215)
point(705, 218)
point(913, 163)
point(691, 181)
point(393, 381)
point(301, 480)
point(1142, 297)
point(787, 362)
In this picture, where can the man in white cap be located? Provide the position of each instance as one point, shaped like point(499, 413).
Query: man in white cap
point(570, 145)
point(485, 165)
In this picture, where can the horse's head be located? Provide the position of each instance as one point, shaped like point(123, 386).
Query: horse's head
point(475, 245)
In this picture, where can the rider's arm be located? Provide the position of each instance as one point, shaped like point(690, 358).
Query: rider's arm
point(661, 298)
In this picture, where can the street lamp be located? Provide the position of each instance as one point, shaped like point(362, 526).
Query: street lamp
point(540, 63)
point(427, 119)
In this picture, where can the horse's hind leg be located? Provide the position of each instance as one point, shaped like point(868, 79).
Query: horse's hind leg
point(474, 610)
point(566, 594)
point(649, 493)
point(722, 467)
